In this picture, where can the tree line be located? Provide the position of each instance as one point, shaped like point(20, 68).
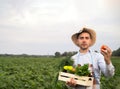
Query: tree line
point(116, 52)
point(58, 54)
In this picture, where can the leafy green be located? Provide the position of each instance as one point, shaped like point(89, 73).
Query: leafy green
point(82, 70)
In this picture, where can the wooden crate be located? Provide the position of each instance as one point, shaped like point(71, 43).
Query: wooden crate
point(80, 80)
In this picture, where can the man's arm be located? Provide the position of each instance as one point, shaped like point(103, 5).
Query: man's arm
point(107, 67)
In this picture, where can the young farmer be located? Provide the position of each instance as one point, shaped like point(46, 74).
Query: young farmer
point(101, 62)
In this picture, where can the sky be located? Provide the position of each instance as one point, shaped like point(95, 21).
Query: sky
point(43, 27)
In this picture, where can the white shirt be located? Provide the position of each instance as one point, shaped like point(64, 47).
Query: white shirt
point(99, 65)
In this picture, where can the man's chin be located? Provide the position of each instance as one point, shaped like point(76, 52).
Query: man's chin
point(84, 48)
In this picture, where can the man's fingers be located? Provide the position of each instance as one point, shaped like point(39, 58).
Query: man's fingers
point(72, 82)
point(109, 50)
point(104, 52)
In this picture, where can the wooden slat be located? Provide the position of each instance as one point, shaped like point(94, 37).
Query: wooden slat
point(80, 80)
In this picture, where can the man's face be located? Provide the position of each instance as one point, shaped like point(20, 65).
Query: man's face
point(84, 40)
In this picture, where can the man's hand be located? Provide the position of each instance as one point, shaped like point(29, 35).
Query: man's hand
point(71, 83)
point(106, 52)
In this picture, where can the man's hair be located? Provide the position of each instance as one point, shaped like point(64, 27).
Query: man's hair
point(84, 31)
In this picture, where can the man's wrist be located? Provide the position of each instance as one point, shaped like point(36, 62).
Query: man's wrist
point(108, 61)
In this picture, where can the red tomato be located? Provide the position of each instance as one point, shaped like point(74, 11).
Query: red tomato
point(103, 47)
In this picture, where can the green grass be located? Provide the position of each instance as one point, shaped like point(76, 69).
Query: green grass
point(40, 73)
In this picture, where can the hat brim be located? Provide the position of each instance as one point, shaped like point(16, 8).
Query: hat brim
point(92, 33)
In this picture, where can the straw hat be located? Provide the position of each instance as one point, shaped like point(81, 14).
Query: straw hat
point(90, 31)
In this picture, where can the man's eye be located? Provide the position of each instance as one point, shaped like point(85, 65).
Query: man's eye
point(81, 38)
point(87, 37)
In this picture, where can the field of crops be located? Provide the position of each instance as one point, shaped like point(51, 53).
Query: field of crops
point(40, 73)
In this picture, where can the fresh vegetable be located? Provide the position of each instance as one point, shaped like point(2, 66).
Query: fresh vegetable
point(68, 68)
point(103, 47)
point(78, 70)
point(82, 70)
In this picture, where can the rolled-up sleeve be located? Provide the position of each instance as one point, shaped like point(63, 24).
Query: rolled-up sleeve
point(111, 69)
